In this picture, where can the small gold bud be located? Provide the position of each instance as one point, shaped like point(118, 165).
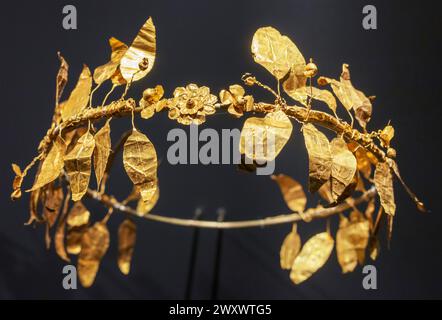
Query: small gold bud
point(152, 95)
point(322, 81)
point(311, 69)
point(248, 79)
point(391, 153)
point(144, 64)
point(148, 93)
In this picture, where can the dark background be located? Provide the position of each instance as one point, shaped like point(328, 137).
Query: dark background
point(208, 42)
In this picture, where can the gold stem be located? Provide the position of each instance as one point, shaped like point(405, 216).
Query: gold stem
point(126, 107)
point(108, 94)
point(110, 201)
point(133, 120)
point(92, 94)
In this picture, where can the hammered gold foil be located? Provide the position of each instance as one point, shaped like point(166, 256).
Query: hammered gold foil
point(140, 163)
point(314, 254)
point(142, 48)
point(78, 165)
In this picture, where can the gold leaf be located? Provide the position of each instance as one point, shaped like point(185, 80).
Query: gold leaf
point(301, 93)
point(52, 204)
point(350, 97)
point(127, 233)
point(295, 80)
point(78, 165)
point(325, 192)
point(34, 199)
point(62, 78)
point(343, 167)
point(394, 166)
point(78, 215)
point(140, 163)
point(348, 191)
point(324, 96)
point(290, 249)
point(17, 182)
point(77, 221)
point(117, 78)
point(320, 158)
point(142, 48)
point(347, 256)
point(94, 244)
point(144, 207)
point(362, 158)
point(262, 139)
point(79, 98)
point(106, 71)
point(314, 254)
point(51, 166)
point(386, 135)
point(292, 192)
point(71, 137)
point(275, 52)
point(383, 181)
point(16, 169)
point(73, 239)
point(60, 248)
point(102, 151)
point(351, 241)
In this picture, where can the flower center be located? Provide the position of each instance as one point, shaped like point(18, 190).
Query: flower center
point(190, 103)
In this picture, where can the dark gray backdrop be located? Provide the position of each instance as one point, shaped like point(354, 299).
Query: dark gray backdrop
point(208, 42)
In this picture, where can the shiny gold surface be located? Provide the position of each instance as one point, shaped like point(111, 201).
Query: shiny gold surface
point(340, 169)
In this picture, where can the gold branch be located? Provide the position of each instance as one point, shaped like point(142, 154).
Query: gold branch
point(117, 108)
point(327, 121)
point(122, 108)
point(111, 202)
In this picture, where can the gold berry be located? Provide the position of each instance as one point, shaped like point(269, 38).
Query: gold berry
point(310, 70)
point(250, 81)
point(144, 64)
point(391, 153)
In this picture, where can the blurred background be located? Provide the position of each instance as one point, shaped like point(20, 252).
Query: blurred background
point(208, 43)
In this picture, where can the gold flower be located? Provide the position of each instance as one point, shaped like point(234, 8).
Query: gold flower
point(386, 135)
point(191, 104)
point(151, 101)
point(235, 100)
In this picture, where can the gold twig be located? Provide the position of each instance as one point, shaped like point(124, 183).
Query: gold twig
point(110, 201)
point(125, 107)
point(108, 94)
point(92, 94)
